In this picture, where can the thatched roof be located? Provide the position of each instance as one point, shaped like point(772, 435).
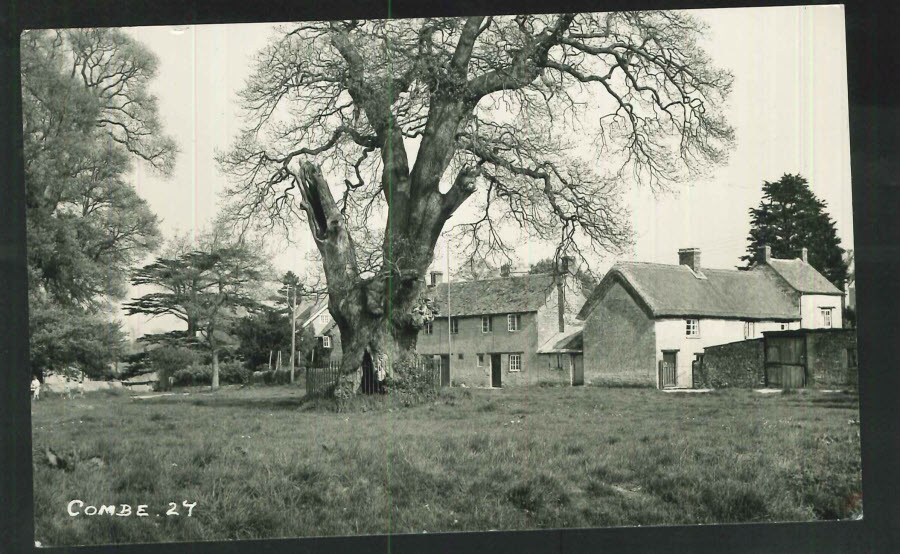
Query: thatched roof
point(676, 291)
point(502, 295)
point(803, 277)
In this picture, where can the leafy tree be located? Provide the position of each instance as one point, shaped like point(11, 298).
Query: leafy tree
point(87, 115)
point(789, 218)
point(496, 108)
point(66, 336)
point(167, 360)
point(206, 288)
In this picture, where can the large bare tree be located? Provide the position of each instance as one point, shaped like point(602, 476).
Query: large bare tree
point(375, 133)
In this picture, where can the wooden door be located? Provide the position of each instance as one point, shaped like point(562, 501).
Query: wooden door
point(445, 370)
point(667, 370)
point(495, 370)
point(786, 362)
point(577, 370)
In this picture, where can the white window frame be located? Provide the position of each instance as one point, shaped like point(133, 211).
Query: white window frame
point(428, 328)
point(489, 327)
point(326, 341)
point(323, 317)
point(688, 328)
point(696, 328)
point(749, 329)
point(514, 322)
point(479, 360)
point(515, 367)
point(827, 317)
point(454, 325)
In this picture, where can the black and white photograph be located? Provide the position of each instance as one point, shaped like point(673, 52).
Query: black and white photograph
point(333, 278)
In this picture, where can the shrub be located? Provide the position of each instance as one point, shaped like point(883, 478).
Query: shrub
point(410, 382)
point(168, 360)
point(232, 372)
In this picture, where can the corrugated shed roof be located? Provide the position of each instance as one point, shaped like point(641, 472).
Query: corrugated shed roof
point(503, 295)
point(803, 277)
point(675, 291)
point(570, 340)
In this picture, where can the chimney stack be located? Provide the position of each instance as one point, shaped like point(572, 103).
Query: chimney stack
point(436, 278)
point(766, 252)
point(566, 263)
point(803, 254)
point(504, 270)
point(690, 257)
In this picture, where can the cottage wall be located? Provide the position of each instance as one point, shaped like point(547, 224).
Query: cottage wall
point(811, 314)
point(619, 341)
point(670, 335)
point(470, 342)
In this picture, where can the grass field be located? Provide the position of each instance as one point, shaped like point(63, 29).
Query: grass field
point(261, 462)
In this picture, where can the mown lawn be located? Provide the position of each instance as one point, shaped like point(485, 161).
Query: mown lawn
point(260, 462)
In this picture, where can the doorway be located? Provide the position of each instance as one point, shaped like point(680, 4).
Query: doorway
point(668, 365)
point(495, 371)
point(445, 370)
point(577, 368)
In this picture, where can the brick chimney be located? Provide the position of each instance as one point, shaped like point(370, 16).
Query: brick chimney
point(690, 257)
point(803, 254)
point(504, 270)
point(766, 254)
point(436, 278)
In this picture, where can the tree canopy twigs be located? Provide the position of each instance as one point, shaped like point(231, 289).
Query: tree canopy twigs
point(529, 123)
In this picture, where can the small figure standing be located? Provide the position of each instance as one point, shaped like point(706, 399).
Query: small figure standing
point(35, 389)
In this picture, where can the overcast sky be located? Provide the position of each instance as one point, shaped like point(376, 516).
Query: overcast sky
point(788, 107)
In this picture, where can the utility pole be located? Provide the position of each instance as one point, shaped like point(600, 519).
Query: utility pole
point(293, 331)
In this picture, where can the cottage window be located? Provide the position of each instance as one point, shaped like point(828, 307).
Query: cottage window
point(784, 326)
point(428, 328)
point(826, 317)
point(513, 322)
point(487, 324)
point(480, 361)
point(749, 329)
point(323, 317)
point(460, 356)
point(326, 341)
point(692, 328)
point(515, 362)
point(454, 326)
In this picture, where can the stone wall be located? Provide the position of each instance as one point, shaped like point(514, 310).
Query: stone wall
point(829, 364)
point(736, 364)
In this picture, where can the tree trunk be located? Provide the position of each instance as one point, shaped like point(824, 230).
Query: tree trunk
point(379, 317)
point(373, 351)
point(215, 368)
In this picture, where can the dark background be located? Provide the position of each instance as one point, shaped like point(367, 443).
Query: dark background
point(874, 129)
